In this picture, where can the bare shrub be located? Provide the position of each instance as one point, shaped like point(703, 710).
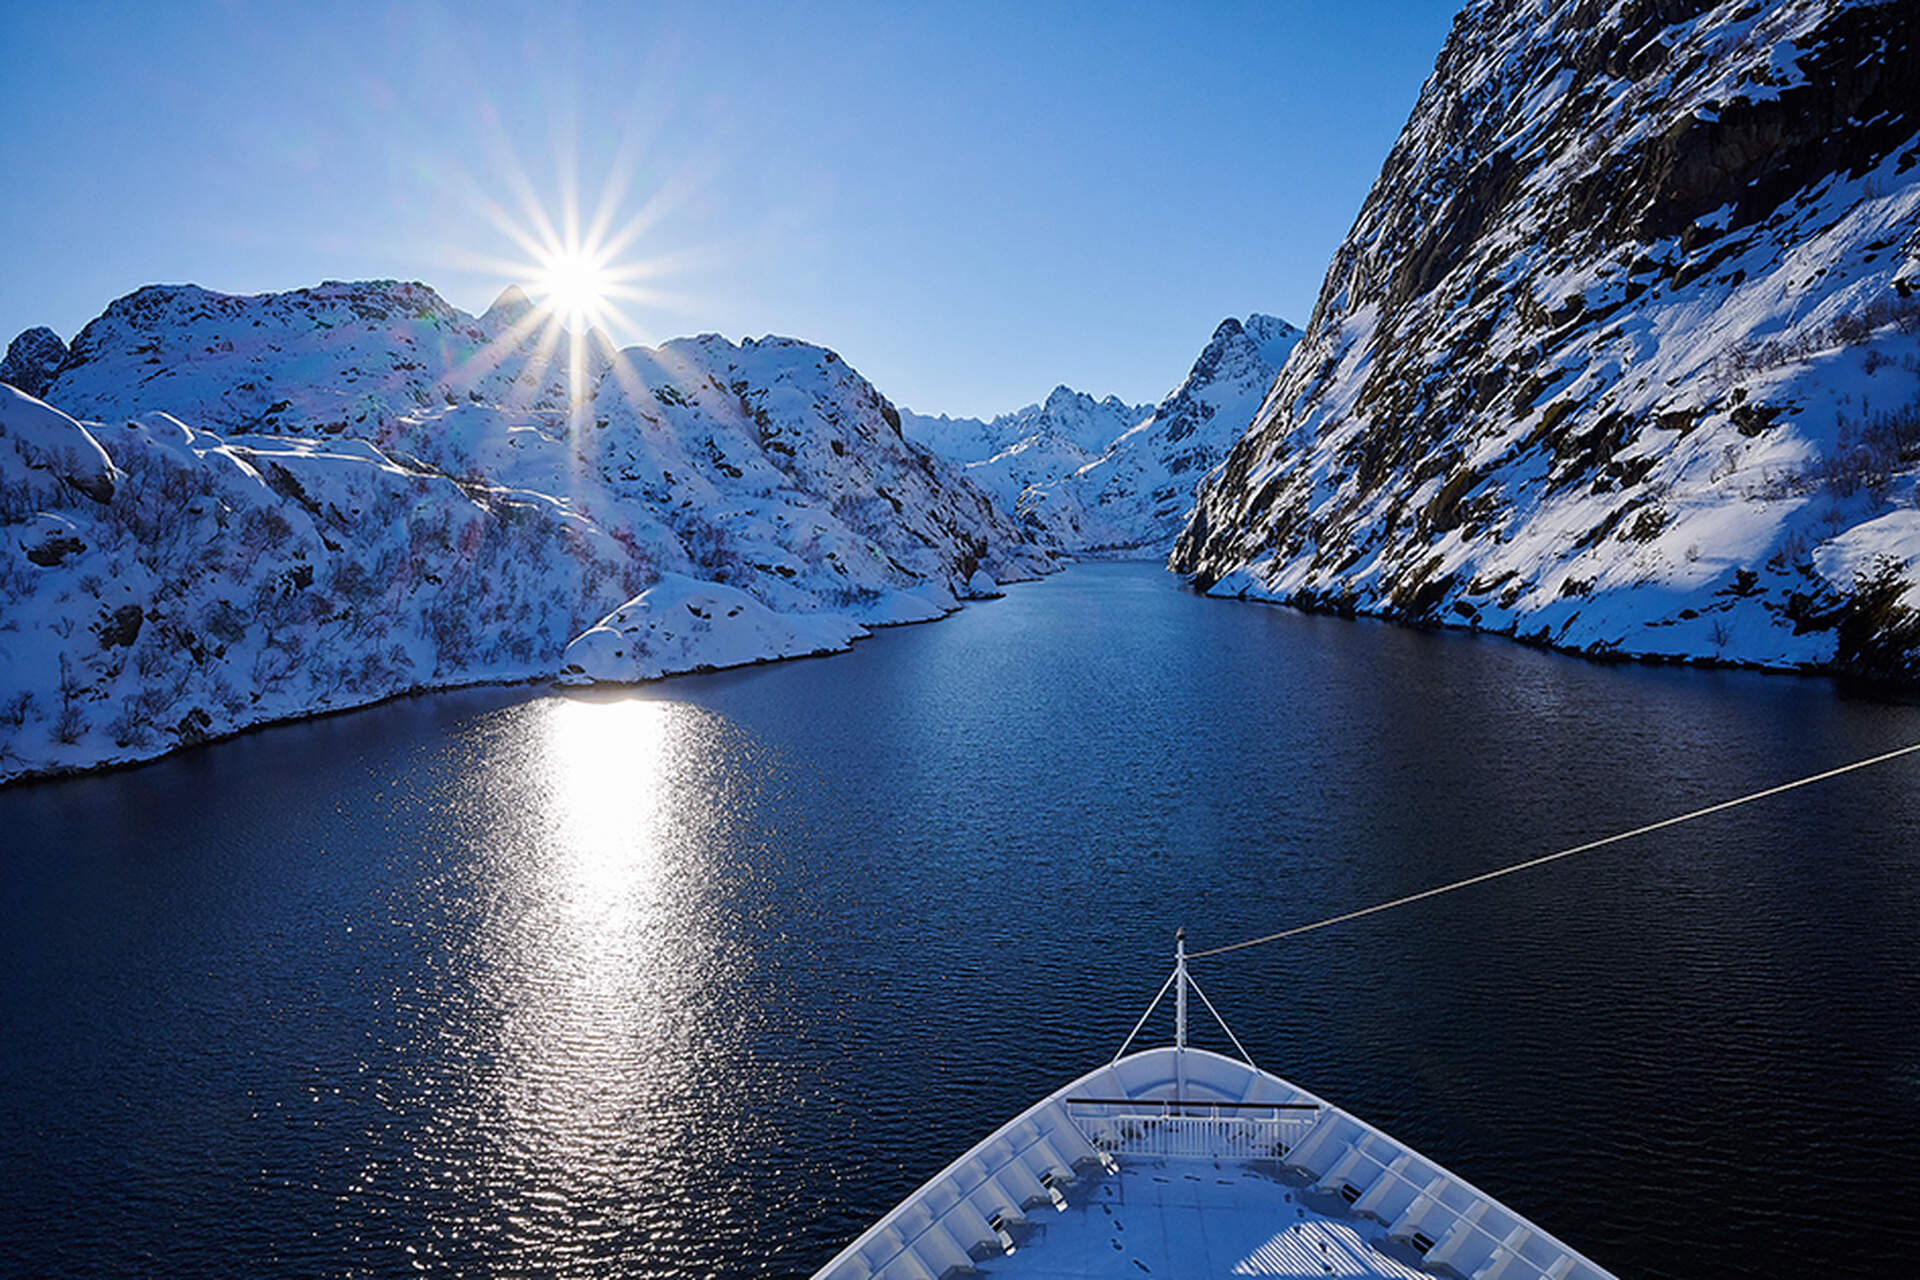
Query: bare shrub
point(68, 724)
point(1867, 454)
point(15, 710)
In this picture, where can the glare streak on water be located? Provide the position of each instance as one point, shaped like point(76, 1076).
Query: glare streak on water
point(700, 978)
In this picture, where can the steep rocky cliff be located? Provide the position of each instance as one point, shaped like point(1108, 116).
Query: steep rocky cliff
point(1622, 353)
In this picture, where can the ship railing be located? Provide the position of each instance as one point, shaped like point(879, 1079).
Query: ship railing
point(1162, 1128)
point(1511, 1254)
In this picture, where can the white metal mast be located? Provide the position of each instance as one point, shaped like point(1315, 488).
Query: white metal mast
point(1180, 1013)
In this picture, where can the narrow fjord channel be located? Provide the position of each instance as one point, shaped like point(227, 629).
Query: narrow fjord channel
point(699, 979)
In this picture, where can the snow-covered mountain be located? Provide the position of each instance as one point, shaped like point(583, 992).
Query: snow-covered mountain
point(1039, 443)
point(1092, 475)
point(1074, 416)
point(294, 502)
point(1622, 353)
point(163, 585)
point(1137, 494)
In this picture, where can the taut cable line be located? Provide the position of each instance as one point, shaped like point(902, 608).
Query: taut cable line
point(1555, 857)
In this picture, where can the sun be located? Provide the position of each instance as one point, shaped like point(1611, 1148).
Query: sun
point(578, 264)
point(574, 284)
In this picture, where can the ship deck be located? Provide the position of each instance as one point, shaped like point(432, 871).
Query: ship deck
point(1183, 1163)
point(1187, 1218)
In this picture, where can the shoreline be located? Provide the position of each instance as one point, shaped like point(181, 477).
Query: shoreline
point(1844, 683)
point(1850, 683)
point(66, 772)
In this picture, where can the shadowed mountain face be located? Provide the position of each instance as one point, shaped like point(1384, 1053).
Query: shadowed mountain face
point(1622, 353)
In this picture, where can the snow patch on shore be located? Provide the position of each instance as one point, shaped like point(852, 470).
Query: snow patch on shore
point(684, 624)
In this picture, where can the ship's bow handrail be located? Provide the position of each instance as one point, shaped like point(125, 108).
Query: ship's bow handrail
point(1166, 1129)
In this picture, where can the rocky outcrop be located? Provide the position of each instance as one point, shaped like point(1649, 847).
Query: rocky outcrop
point(1622, 353)
point(32, 360)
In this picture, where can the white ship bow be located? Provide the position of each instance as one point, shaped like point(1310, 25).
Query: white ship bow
point(1180, 1162)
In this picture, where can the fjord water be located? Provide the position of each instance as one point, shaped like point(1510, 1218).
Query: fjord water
point(699, 978)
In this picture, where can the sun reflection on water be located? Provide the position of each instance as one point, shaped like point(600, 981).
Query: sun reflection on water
point(588, 1014)
point(594, 952)
point(605, 766)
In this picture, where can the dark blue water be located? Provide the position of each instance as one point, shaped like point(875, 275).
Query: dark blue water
point(699, 980)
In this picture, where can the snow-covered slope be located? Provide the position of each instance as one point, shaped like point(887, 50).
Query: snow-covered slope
point(163, 585)
point(1623, 351)
point(1039, 459)
point(684, 624)
point(1136, 495)
point(317, 499)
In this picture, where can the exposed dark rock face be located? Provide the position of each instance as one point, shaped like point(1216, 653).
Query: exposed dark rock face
point(1630, 311)
point(33, 359)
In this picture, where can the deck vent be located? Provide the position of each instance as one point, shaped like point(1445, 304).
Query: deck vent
point(1349, 1192)
point(1422, 1243)
point(1051, 1183)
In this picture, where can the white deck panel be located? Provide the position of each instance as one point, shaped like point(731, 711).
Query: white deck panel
point(1185, 1218)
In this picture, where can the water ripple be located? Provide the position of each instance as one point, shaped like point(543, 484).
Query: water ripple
point(697, 980)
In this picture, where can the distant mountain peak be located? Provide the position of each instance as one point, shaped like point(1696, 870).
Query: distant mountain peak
point(512, 304)
point(177, 307)
point(1134, 497)
point(1273, 336)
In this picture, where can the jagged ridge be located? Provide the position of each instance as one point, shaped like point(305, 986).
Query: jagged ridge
point(1038, 443)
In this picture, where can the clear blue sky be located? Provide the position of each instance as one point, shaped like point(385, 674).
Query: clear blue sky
point(971, 202)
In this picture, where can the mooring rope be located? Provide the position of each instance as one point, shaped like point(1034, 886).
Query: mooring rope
point(1554, 857)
